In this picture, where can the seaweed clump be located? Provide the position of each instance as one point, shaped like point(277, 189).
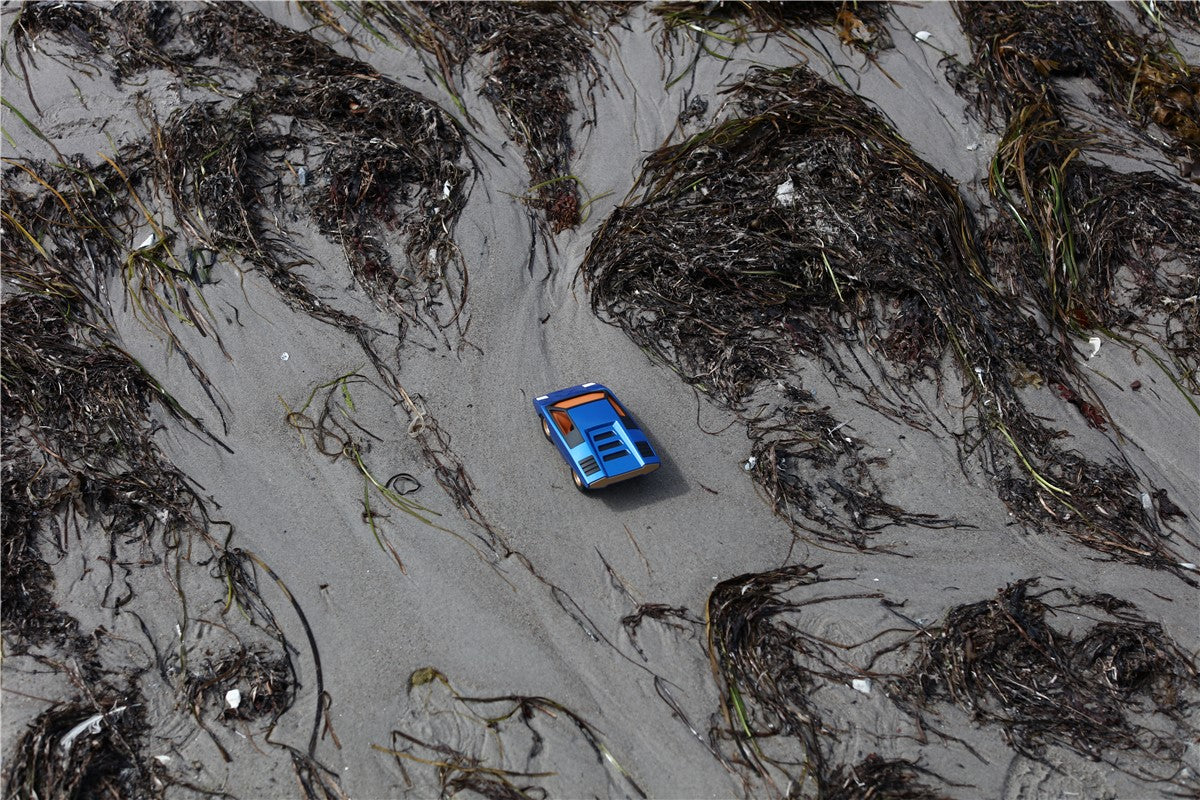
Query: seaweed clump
point(126, 39)
point(1004, 662)
point(1020, 48)
point(779, 230)
point(1074, 231)
point(77, 409)
point(535, 49)
point(389, 160)
point(265, 683)
point(804, 227)
point(876, 778)
point(84, 748)
point(858, 24)
point(768, 669)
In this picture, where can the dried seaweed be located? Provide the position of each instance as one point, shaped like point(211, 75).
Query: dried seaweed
point(768, 667)
point(497, 719)
point(124, 41)
point(808, 465)
point(77, 409)
point(876, 778)
point(1095, 249)
point(266, 683)
point(859, 24)
point(1180, 13)
point(740, 255)
point(391, 161)
point(1021, 48)
point(536, 52)
point(56, 758)
point(1004, 661)
point(803, 222)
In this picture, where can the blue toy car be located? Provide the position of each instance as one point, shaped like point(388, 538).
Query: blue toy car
point(600, 440)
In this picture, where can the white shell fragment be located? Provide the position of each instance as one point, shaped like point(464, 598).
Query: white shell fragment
point(861, 685)
point(1095, 343)
point(233, 698)
point(446, 190)
point(91, 724)
point(283, 357)
point(922, 36)
point(785, 193)
point(750, 462)
point(147, 243)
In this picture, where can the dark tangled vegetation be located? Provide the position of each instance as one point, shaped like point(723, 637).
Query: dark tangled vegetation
point(1020, 48)
point(769, 669)
point(81, 462)
point(101, 760)
point(1093, 248)
point(858, 24)
point(803, 222)
point(536, 54)
point(1083, 688)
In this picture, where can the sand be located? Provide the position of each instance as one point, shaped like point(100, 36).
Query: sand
point(528, 607)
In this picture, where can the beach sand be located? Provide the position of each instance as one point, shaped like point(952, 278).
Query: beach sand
point(526, 596)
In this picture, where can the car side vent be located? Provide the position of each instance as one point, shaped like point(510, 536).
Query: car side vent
point(603, 435)
point(609, 445)
point(589, 465)
point(644, 450)
point(618, 454)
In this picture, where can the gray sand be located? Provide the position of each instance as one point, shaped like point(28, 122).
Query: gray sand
point(488, 623)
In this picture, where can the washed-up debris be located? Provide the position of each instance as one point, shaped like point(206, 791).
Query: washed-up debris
point(1006, 662)
point(876, 778)
point(535, 53)
point(388, 153)
point(770, 670)
point(858, 24)
point(246, 683)
point(62, 757)
point(706, 270)
point(1021, 48)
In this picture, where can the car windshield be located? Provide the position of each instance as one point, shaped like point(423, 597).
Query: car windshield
point(562, 418)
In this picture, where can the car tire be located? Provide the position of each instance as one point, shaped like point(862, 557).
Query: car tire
point(546, 429)
point(579, 484)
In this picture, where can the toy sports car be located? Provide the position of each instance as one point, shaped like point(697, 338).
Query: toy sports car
point(600, 440)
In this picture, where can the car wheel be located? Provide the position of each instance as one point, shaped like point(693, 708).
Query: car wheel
point(579, 484)
point(546, 429)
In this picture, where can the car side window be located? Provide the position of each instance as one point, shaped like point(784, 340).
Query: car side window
point(562, 420)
